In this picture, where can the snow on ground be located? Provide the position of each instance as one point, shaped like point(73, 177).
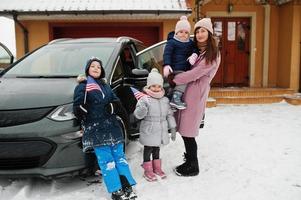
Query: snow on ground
point(246, 152)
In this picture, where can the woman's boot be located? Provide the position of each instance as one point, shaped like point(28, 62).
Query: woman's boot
point(189, 168)
point(180, 169)
point(193, 170)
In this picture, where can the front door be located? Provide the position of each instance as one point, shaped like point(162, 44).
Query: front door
point(234, 35)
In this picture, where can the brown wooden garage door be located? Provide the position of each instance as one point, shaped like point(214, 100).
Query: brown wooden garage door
point(149, 34)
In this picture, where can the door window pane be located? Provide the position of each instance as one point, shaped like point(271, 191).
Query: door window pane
point(218, 31)
point(231, 31)
point(241, 37)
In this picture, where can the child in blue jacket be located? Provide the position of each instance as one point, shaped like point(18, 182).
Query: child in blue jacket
point(95, 103)
point(178, 48)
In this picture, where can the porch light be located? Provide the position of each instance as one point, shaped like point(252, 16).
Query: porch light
point(230, 7)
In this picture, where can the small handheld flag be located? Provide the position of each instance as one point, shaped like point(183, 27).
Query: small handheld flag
point(92, 85)
point(138, 95)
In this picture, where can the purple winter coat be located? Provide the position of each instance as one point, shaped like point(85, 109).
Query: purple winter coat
point(198, 86)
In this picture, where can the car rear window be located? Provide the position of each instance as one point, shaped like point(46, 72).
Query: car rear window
point(61, 59)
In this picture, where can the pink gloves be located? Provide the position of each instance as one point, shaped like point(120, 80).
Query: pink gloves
point(167, 70)
point(192, 59)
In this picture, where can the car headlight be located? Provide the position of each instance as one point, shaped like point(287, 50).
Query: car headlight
point(62, 113)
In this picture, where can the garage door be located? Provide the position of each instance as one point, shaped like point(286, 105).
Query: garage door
point(147, 34)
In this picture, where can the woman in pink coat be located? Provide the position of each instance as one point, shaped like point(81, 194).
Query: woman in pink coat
point(204, 66)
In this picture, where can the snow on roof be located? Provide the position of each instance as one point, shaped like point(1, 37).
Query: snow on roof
point(104, 7)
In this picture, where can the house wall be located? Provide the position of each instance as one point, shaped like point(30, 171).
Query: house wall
point(168, 26)
point(288, 71)
point(273, 46)
point(38, 34)
point(296, 48)
point(284, 65)
point(299, 11)
point(284, 51)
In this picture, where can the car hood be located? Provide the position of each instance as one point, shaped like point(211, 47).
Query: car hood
point(24, 93)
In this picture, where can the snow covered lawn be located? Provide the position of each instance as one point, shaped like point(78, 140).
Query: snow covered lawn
point(246, 152)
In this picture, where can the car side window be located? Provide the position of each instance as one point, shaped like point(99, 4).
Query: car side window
point(151, 57)
point(140, 47)
point(118, 72)
point(126, 57)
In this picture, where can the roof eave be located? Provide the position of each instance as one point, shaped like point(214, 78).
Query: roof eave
point(97, 14)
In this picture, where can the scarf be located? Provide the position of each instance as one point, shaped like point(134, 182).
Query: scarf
point(156, 95)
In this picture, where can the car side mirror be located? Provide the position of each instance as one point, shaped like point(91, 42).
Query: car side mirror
point(140, 72)
point(6, 57)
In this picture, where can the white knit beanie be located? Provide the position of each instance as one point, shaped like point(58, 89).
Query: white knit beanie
point(183, 24)
point(154, 78)
point(205, 23)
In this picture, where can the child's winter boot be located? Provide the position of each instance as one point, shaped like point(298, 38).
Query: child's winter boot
point(176, 100)
point(127, 188)
point(158, 169)
point(119, 195)
point(148, 171)
point(129, 193)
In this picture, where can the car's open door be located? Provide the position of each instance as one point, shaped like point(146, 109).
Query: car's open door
point(131, 70)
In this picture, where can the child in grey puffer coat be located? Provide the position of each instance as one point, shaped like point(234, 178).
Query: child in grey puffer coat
point(157, 117)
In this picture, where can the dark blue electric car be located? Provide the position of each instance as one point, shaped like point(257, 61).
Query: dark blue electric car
point(39, 135)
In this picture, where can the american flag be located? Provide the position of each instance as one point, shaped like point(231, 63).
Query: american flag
point(92, 85)
point(138, 95)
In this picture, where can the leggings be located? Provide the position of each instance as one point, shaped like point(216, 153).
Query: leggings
point(148, 151)
point(191, 146)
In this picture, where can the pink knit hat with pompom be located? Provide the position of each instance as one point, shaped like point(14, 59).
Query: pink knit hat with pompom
point(183, 24)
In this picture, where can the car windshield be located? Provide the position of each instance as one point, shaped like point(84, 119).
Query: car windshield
point(61, 60)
